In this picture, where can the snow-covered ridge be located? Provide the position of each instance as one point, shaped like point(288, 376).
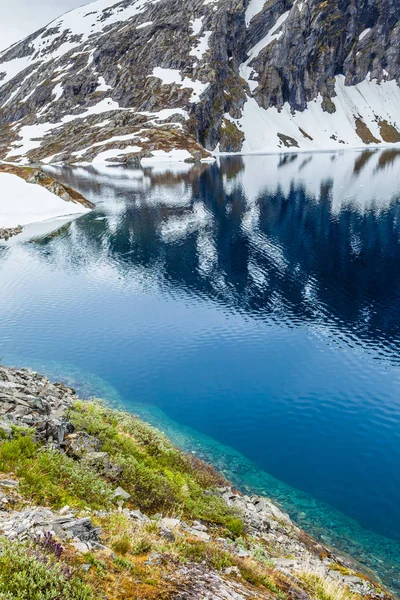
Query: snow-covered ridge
point(73, 29)
point(122, 81)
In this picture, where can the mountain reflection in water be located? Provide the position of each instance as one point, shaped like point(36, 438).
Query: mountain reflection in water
point(296, 237)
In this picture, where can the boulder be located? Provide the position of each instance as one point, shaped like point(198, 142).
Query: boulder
point(121, 494)
point(80, 444)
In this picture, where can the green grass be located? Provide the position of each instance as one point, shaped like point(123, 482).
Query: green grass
point(159, 477)
point(52, 478)
point(27, 575)
point(200, 552)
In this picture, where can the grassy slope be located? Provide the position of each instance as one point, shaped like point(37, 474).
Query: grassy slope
point(160, 479)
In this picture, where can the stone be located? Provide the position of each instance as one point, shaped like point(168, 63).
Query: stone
point(261, 505)
point(83, 529)
point(170, 523)
point(64, 511)
point(167, 534)
point(154, 559)
point(139, 516)
point(5, 428)
point(9, 483)
point(232, 571)
point(81, 547)
point(199, 526)
point(200, 535)
point(80, 444)
point(121, 494)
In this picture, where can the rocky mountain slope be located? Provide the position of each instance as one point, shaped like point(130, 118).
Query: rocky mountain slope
point(94, 503)
point(130, 79)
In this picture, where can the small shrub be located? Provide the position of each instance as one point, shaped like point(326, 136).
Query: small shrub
point(256, 575)
point(199, 552)
point(235, 526)
point(49, 544)
point(204, 474)
point(142, 545)
point(341, 569)
point(158, 476)
point(124, 564)
point(25, 575)
point(151, 527)
point(260, 554)
point(122, 545)
point(14, 451)
point(51, 477)
point(321, 588)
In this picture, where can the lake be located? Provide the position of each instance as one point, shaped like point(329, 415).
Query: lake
point(251, 309)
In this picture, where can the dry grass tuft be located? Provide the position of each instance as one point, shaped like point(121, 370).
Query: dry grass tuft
point(322, 588)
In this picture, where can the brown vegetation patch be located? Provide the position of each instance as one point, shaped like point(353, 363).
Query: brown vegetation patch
point(364, 133)
point(328, 105)
point(389, 133)
point(231, 138)
point(305, 134)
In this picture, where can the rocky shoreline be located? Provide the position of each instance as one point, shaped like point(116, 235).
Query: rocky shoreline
point(28, 400)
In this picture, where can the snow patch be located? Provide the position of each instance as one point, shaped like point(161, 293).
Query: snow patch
point(173, 76)
point(364, 33)
point(22, 203)
point(321, 130)
point(202, 46)
point(102, 86)
point(146, 24)
point(196, 25)
point(254, 8)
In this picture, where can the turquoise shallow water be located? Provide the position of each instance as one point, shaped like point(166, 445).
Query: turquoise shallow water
point(249, 308)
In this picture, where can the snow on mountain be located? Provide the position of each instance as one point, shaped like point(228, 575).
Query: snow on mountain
point(23, 203)
point(127, 80)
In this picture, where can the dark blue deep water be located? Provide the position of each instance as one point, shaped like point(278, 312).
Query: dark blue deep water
point(252, 309)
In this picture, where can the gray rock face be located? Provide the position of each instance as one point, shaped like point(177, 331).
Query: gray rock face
point(321, 40)
point(170, 75)
point(29, 400)
point(121, 494)
point(35, 522)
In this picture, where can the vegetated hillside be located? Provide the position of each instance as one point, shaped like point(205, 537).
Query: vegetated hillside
point(97, 505)
point(170, 79)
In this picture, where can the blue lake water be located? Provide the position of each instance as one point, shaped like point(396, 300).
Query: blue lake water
point(250, 308)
